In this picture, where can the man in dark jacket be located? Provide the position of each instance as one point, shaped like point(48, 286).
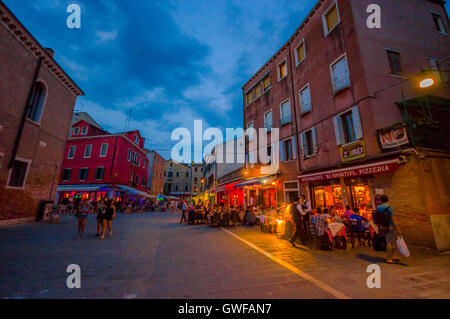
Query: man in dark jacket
point(297, 220)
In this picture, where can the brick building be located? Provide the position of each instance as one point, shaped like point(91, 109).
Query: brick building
point(98, 162)
point(354, 121)
point(156, 164)
point(37, 99)
point(197, 180)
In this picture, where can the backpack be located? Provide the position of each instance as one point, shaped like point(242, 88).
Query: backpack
point(382, 218)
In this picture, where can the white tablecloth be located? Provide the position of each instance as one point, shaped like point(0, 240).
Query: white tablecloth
point(374, 226)
point(335, 228)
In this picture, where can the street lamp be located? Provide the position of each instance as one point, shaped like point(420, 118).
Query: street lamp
point(426, 83)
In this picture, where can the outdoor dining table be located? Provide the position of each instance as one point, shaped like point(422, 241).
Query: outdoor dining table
point(373, 228)
point(335, 230)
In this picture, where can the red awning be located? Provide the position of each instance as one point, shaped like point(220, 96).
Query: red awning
point(373, 168)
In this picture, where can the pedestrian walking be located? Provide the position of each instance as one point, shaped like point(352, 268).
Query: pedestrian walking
point(385, 220)
point(305, 215)
point(110, 214)
point(295, 213)
point(100, 217)
point(82, 214)
point(183, 212)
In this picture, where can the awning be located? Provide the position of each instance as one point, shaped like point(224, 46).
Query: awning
point(257, 181)
point(84, 188)
point(373, 168)
point(133, 191)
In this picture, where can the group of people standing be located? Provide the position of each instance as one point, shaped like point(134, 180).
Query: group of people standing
point(105, 210)
point(301, 213)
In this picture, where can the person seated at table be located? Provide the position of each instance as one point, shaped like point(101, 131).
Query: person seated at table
point(348, 212)
point(319, 221)
point(334, 216)
point(361, 220)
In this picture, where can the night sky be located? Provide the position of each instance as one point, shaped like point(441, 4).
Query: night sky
point(169, 61)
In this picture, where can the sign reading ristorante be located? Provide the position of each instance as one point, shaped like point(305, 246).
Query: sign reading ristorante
point(352, 171)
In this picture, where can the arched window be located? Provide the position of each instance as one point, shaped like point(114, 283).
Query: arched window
point(36, 102)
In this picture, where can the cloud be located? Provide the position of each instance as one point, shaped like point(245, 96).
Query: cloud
point(103, 36)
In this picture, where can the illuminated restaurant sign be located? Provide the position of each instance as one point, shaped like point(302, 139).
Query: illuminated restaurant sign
point(353, 151)
point(394, 138)
point(352, 171)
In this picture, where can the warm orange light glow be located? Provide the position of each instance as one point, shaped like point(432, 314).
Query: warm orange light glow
point(425, 83)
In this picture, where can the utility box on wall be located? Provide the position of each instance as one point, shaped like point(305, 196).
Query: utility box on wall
point(441, 231)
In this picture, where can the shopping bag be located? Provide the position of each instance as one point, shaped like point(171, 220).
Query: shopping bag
point(401, 246)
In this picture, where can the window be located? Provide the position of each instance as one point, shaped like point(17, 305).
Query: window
point(36, 103)
point(187, 174)
point(285, 112)
point(71, 152)
point(305, 100)
point(300, 53)
point(83, 174)
point(250, 96)
point(136, 139)
point(18, 173)
point(104, 150)
point(394, 61)
point(195, 179)
point(196, 170)
point(438, 22)
point(288, 150)
point(268, 122)
point(143, 181)
point(258, 89)
point(176, 188)
point(309, 142)
point(282, 70)
point(67, 173)
point(99, 172)
point(186, 188)
point(88, 151)
point(330, 18)
point(169, 174)
point(129, 155)
point(435, 65)
point(178, 173)
point(250, 132)
point(348, 127)
point(76, 130)
point(84, 130)
point(267, 82)
point(340, 75)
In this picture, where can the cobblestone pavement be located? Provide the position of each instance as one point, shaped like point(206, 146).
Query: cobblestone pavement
point(426, 274)
point(152, 256)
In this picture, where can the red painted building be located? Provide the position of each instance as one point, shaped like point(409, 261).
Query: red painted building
point(98, 161)
point(353, 120)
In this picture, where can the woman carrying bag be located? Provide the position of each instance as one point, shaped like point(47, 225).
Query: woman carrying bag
point(393, 234)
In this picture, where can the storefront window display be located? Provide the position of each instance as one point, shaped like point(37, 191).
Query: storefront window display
point(328, 196)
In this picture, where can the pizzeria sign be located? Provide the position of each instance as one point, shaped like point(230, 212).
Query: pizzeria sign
point(352, 171)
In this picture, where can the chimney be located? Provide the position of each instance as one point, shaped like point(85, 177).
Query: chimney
point(50, 51)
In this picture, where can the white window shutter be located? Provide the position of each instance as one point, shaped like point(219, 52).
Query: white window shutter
point(314, 140)
point(357, 123)
point(294, 148)
point(337, 129)
point(282, 152)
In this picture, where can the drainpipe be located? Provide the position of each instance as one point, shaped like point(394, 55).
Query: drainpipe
point(295, 111)
point(24, 115)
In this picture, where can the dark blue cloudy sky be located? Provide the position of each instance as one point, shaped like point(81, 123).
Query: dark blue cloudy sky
point(169, 61)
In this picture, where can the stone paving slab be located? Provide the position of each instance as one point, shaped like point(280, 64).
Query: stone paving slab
point(149, 256)
point(423, 275)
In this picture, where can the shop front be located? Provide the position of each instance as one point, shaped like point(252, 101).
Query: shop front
point(351, 185)
point(261, 191)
